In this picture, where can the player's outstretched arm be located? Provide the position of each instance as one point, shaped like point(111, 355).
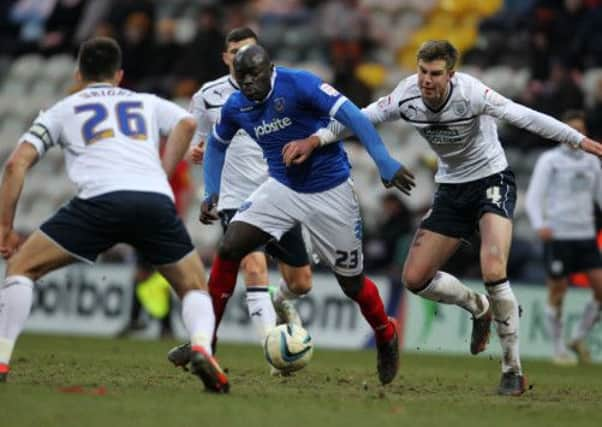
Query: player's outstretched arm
point(391, 171)
point(177, 144)
point(215, 155)
point(20, 161)
point(534, 121)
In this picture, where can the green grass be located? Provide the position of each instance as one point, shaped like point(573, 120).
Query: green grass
point(129, 383)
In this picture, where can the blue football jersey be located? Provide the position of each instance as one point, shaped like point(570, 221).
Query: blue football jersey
point(298, 105)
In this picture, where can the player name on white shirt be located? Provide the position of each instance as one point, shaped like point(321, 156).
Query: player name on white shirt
point(244, 168)
point(110, 137)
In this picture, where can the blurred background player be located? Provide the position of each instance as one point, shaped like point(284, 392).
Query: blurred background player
point(275, 105)
point(568, 232)
point(456, 114)
point(111, 141)
point(245, 170)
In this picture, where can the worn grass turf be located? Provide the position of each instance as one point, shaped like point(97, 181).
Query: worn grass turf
point(67, 381)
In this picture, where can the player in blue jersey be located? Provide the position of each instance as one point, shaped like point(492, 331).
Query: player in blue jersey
point(276, 105)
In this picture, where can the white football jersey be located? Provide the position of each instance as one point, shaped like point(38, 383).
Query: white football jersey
point(463, 132)
point(110, 137)
point(245, 167)
point(561, 194)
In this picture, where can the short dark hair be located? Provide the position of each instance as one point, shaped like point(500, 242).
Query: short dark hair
point(433, 50)
point(238, 34)
point(99, 58)
point(569, 115)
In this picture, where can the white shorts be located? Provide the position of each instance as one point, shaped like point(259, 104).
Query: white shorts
point(332, 218)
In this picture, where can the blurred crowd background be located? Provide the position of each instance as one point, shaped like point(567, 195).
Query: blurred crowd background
point(546, 54)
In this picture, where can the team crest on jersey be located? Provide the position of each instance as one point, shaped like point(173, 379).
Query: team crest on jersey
point(329, 90)
point(279, 104)
point(459, 107)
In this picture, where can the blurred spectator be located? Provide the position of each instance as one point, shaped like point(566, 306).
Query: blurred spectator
point(554, 23)
point(60, 27)
point(122, 9)
point(346, 56)
point(594, 114)
point(587, 41)
point(201, 59)
point(137, 46)
point(92, 15)
point(561, 92)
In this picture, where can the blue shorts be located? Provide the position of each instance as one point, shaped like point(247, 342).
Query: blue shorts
point(148, 221)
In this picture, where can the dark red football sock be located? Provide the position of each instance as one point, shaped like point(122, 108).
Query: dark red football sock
point(373, 310)
point(221, 285)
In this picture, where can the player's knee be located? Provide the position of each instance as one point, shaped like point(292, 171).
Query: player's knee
point(16, 266)
point(415, 279)
point(255, 271)
point(229, 249)
point(255, 277)
point(493, 264)
point(300, 281)
point(493, 271)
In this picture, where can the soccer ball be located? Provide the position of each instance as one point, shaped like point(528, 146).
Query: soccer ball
point(288, 347)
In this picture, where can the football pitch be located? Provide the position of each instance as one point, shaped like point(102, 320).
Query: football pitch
point(75, 381)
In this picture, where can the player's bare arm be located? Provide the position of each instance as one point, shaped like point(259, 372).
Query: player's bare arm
point(177, 144)
point(20, 161)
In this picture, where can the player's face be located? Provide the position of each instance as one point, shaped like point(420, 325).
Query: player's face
point(232, 48)
point(254, 79)
point(433, 80)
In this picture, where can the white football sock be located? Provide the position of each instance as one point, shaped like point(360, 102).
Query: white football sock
point(555, 328)
point(284, 293)
point(198, 318)
point(591, 314)
point(447, 289)
point(261, 310)
point(506, 317)
point(16, 297)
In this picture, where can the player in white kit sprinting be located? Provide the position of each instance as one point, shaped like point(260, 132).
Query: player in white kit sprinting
point(245, 169)
point(110, 137)
point(456, 114)
point(568, 232)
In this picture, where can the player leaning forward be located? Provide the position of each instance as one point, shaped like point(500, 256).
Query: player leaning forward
point(456, 114)
point(111, 142)
point(276, 105)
